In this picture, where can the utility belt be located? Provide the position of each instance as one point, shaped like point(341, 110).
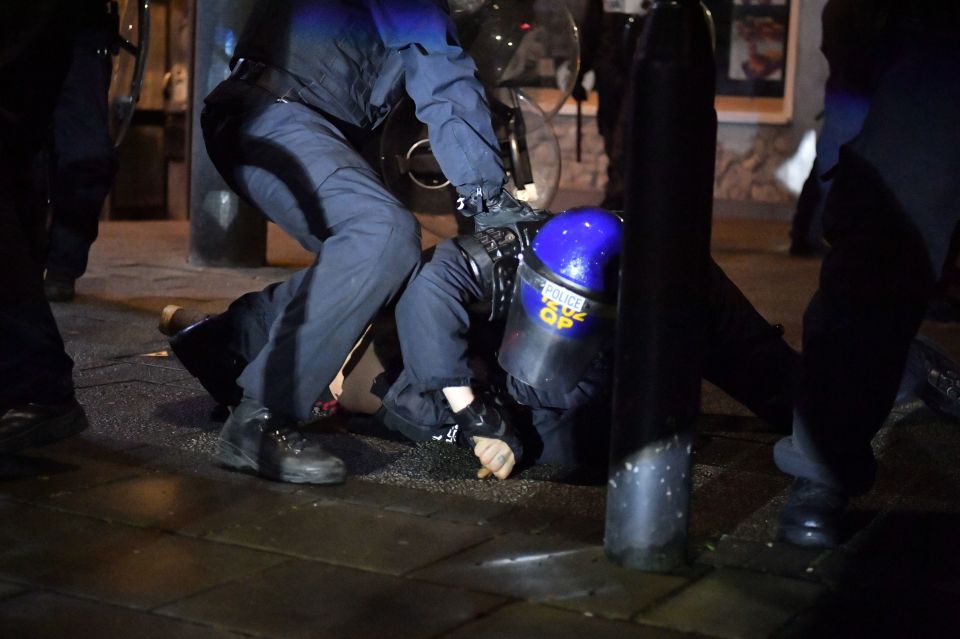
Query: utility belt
point(283, 86)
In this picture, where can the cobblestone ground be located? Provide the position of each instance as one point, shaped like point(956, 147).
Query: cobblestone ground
point(130, 530)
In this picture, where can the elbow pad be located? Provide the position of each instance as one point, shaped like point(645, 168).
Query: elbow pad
point(493, 257)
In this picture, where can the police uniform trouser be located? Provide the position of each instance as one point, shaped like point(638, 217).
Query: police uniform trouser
point(745, 356)
point(618, 40)
point(890, 218)
point(33, 364)
point(299, 170)
point(86, 161)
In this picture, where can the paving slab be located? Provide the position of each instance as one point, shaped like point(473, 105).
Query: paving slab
point(309, 599)
point(550, 522)
point(734, 453)
point(113, 562)
point(363, 492)
point(761, 525)
point(38, 476)
point(375, 540)
point(735, 604)
point(88, 445)
point(526, 519)
point(729, 498)
point(575, 527)
point(45, 615)
point(192, 506)
point(787, 560)
point(776, 558)
point(525, 621)
point(431, 504)
point(562, 573)
point(471, 511)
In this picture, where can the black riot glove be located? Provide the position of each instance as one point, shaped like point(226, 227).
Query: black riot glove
point(481, 418)
point(502, 209)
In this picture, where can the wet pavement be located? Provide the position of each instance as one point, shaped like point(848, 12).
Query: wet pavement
point(130, 530)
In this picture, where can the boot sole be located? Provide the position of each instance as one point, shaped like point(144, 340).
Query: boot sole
point(234, 458)
point(48, 432)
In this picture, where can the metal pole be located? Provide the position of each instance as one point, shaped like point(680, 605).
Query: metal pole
point(224, 230)
point(668, 201)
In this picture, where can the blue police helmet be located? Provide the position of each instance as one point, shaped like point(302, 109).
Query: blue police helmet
point(582, 245)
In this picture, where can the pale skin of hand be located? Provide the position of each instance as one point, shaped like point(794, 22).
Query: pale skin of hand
point(497, 458)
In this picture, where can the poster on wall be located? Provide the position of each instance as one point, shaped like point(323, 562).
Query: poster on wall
point(756, 59)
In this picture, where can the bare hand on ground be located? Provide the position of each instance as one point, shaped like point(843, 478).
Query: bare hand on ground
point(497, 458)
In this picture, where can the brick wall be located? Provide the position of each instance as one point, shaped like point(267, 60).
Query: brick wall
point(745, 163)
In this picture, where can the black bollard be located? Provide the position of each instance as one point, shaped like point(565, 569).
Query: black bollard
point(671, 140)
point(224, 230)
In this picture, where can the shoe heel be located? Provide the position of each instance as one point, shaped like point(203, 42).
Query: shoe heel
point(233, 457)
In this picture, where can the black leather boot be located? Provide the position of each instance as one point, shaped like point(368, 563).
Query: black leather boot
point(258, 440)
point(812, 515)
point(482, 419)
point(39, 424)
point(204, 350)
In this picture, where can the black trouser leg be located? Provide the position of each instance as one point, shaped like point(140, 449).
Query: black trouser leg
point(890, 216)
point(298, 169)
point(874, 286)
point(805, 228)
point(432, 320)
point(747, 357)
point(33, 364)
point(86, 161)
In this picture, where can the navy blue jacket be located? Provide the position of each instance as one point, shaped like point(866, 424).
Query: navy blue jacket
point(355, 58)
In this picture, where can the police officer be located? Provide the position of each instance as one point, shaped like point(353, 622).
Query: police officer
point(37, 404)
point(311, 79)
point(85, 159)
point(556, 373)
point(890, 218)
point(609, 32)
point(854, 45)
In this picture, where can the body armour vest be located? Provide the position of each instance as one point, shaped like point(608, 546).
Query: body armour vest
point(333, 50)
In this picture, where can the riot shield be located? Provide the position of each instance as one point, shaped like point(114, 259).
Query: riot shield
point(530, 45)
point(528, 146)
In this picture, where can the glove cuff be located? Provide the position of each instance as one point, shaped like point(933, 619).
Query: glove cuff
point(482, 192)
point(479, 419)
